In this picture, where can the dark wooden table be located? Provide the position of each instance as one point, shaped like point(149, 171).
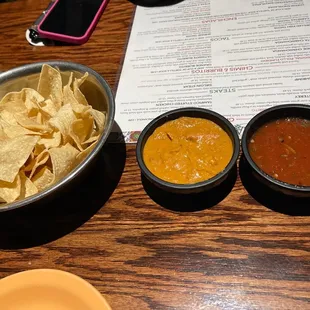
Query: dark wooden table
point(173, 254)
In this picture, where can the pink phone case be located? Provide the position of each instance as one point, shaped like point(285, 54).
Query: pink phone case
point(64, 38)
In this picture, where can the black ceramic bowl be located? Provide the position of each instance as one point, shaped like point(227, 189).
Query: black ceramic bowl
point(271, 114)
point(196, 187)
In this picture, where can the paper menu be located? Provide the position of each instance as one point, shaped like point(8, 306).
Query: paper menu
point(234, 57)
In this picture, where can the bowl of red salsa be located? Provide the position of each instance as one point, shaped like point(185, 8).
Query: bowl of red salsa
point(276, 145)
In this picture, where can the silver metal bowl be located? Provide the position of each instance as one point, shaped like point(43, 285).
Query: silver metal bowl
point(96, 91)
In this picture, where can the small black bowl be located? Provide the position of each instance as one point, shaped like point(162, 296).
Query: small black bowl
point(266, 116)
point(196, 187)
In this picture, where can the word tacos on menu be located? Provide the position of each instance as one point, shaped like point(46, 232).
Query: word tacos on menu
point(44, 134)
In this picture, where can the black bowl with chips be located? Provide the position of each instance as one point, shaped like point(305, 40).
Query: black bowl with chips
point(98, 94)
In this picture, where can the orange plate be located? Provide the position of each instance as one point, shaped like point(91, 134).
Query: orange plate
point(49, 290)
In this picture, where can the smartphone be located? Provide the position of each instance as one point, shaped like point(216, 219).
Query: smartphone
point(71, 21)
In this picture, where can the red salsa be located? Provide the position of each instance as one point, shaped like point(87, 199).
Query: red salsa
point(281, 149)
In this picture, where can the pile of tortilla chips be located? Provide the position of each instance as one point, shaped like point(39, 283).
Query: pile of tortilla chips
point(44, 134)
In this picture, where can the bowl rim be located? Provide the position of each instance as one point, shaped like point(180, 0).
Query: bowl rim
point(246, 153)
point(33, 68)
point(41, 273)
point(181, 187)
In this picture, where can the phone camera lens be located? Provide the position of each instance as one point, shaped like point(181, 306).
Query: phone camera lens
point(33, 35)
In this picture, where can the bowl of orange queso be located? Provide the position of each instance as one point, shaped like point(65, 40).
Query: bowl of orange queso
point(188, 150)
point(276, 145)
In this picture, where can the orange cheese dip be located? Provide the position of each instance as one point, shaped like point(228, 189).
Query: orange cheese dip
point(187, 150)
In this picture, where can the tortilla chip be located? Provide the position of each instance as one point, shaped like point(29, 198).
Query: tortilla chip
point(90, 140)
point(3, 135)
point(39, 118)
point(31, 124)
point(12, 131)
point(62, 121)
point(76, 89)
point(30, 162)
point(38, 149)
point(48, 107)
point(99, 118)
point(10, 97)
point(63, 160)
point(24, 102)
point(13, 103)
point(50, 140)
point(40, 160)
point(31, 99)
point(50, 85)
point(82, 155)
point(13, 155)
point(81, 129)
point(10, 191)
point(43, 179)
point(27, 186)
point(69, 98)
point(8, 117)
